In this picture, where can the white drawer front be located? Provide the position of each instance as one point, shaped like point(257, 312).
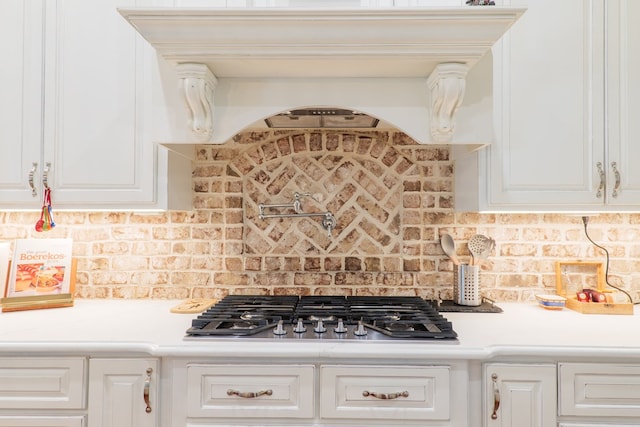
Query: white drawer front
point(410, 393)
point(608, 424)
point(72, 421)
point(599, 389)
point(250, 391)
point(42, 383)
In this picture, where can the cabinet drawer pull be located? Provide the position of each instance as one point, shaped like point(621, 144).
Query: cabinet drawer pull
point(385, 396)
point(32, 173)
point(147, 387)
point(602, 180)
point(616, 174)
point(496, 397)
point(45, 175)
point(249, 394)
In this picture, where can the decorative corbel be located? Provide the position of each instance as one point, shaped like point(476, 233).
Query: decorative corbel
point(447, 84)
point(198, 84)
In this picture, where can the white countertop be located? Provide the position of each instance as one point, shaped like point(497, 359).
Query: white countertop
point(148, 327)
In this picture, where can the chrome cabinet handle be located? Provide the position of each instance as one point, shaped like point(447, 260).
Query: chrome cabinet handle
point(45, 175)
point(147, 387)
point(616, 173)
point(249, 394)
point(602, 180)
point(385, 396)
point(32, 173)
point(496, 396)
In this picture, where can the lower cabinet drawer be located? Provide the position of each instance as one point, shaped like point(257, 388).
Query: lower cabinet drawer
point(250, 391)
point(71, 421)
point(42, 383)
point(609, 424)
point(597, 389)
point(383, 392)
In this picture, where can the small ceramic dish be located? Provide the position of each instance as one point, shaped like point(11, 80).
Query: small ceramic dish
point(551, 302)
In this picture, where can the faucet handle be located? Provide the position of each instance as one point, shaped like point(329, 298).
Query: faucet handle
point(329, 223)
point(299, 196)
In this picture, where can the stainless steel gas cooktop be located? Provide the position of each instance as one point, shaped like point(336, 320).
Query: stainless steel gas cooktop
point(323, 318)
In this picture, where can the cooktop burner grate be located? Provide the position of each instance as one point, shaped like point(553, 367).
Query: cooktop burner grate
point(323, 317)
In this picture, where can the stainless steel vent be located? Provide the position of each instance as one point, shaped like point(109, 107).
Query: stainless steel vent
point(321, 118)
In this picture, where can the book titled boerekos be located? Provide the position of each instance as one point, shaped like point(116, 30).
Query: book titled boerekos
point(40, 267)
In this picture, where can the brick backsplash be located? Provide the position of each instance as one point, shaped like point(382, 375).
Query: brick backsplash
point(391, 197)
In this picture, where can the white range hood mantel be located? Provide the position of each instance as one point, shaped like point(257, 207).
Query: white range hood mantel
point(405, 66)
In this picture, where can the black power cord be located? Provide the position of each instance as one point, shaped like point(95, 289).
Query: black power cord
point(585, 221)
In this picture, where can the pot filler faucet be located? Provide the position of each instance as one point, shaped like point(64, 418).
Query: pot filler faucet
point(328, 220)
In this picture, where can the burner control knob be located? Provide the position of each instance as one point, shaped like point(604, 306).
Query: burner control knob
point(279, 329)
point(299, 328)
point(340, 329)
point(360, 330)
point(320, 327)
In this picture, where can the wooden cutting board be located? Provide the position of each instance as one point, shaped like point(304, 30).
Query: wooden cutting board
point(193, 305)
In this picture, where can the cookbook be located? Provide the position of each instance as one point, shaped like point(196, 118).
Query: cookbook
point(41, 274)
point(4, 262)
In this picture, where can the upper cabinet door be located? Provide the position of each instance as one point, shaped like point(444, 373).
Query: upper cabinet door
point(623, 103)
point(97, 106)
point(566, 99)
point(76, 109)
point(548, 92)
point(21, 24)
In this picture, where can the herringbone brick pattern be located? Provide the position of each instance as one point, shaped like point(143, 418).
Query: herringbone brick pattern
point(368, 184)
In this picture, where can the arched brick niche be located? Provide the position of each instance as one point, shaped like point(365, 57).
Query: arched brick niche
point(389, 196)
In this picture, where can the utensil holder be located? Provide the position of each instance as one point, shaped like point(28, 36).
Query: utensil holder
point(466, 285)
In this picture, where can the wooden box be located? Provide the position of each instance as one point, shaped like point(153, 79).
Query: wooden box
point(587, 269)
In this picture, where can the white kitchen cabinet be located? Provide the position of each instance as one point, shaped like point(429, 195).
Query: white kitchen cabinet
point(42, 391)
point(42, 383)
point(78, 110)
point(52, 391)
point(519, 395)
point(608, 424)
point(385, 393)
point(623, 103)
point(600, 390)
point(250, 391)
point(315, 394)
point(123, 392)
point(561, 133)
point(21, 44)
point(40, 421)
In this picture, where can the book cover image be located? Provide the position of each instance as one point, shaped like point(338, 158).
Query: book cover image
point(40, 267)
